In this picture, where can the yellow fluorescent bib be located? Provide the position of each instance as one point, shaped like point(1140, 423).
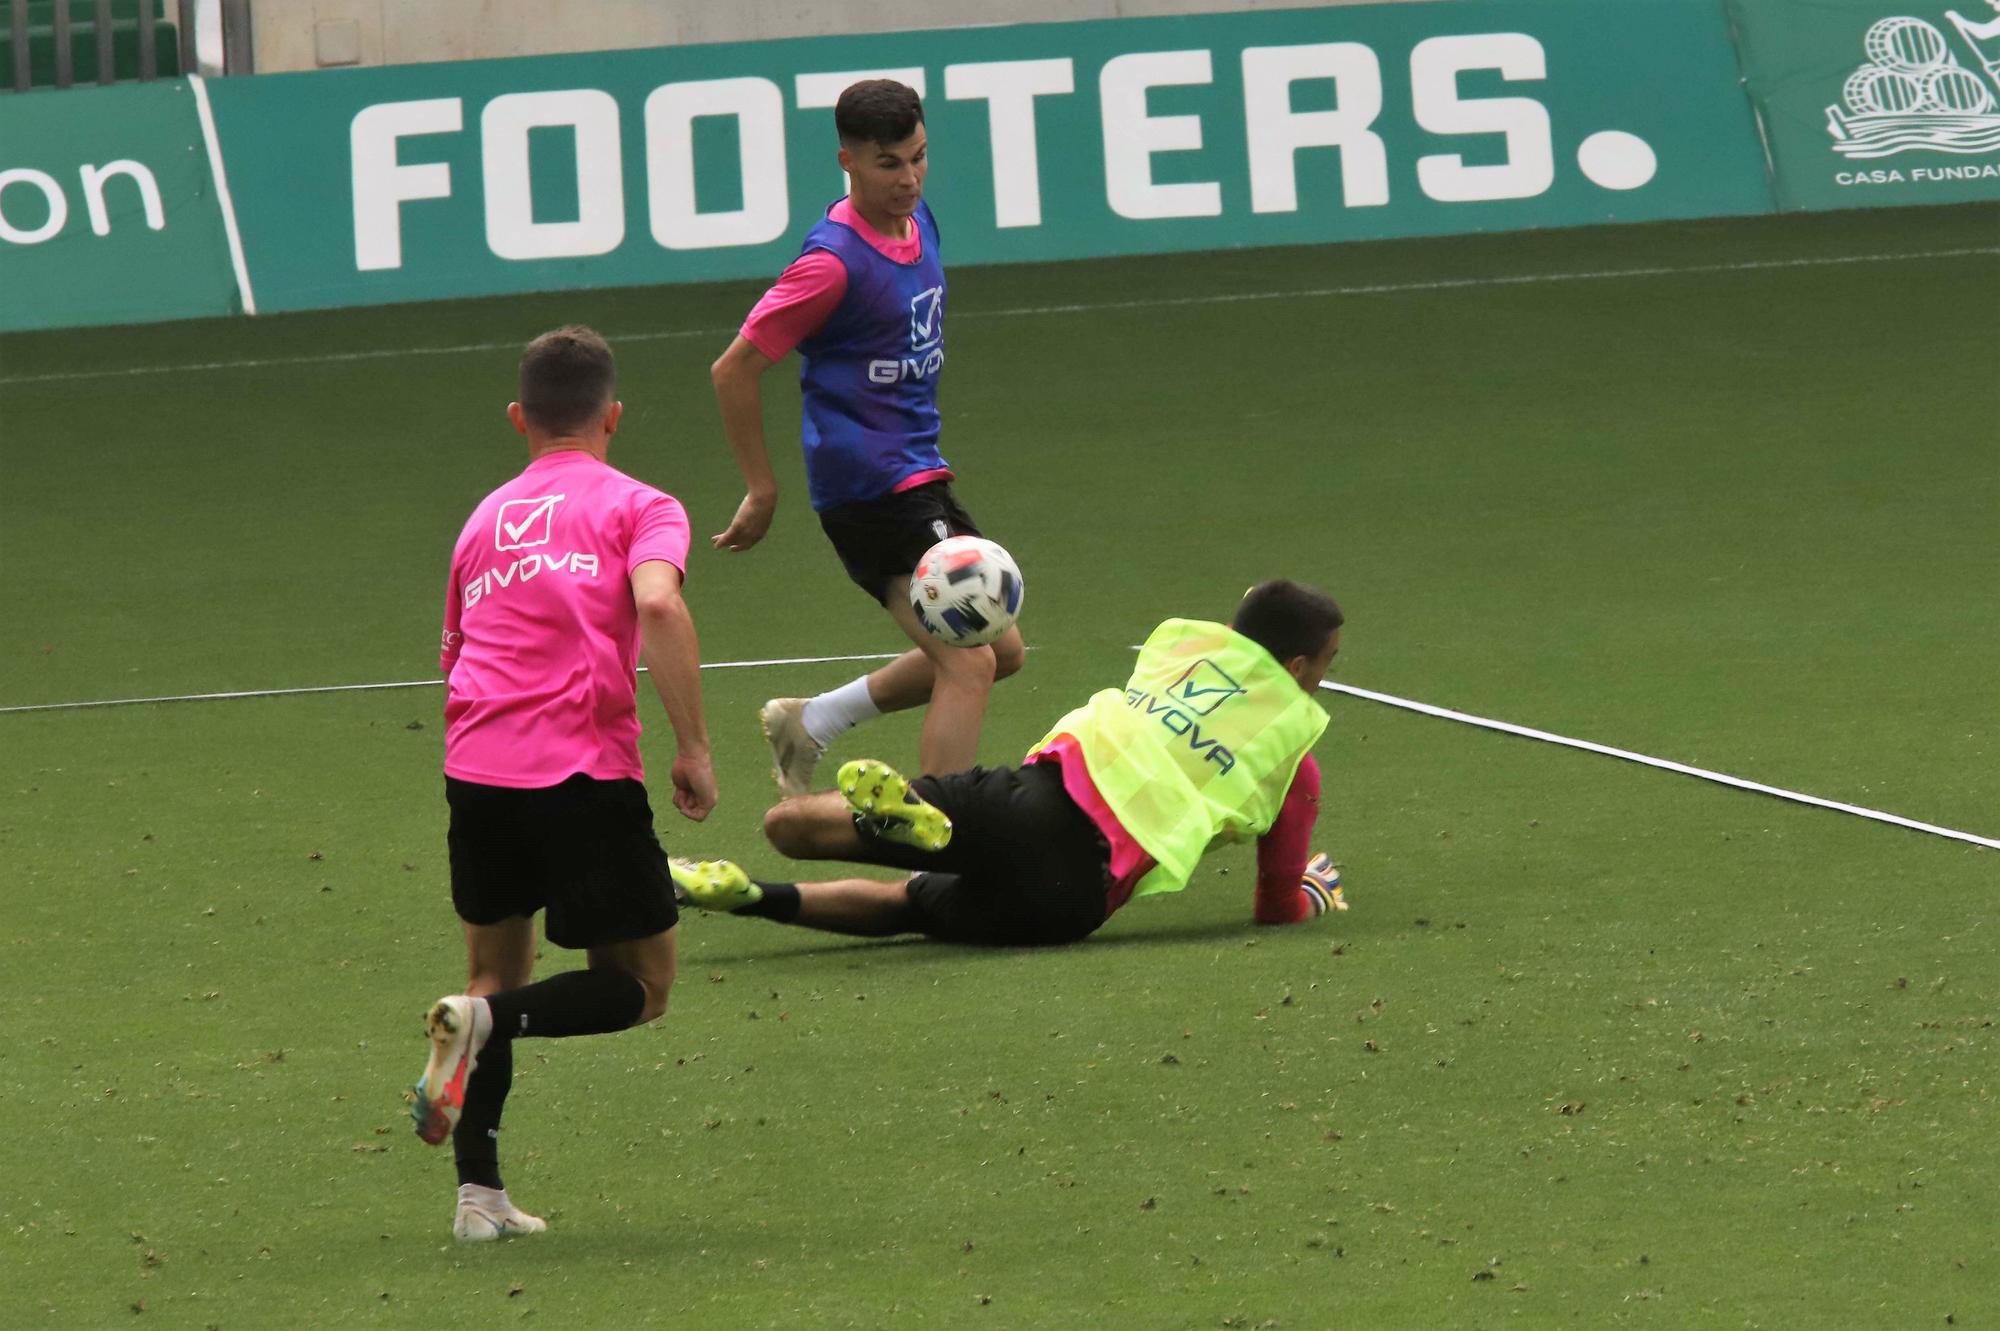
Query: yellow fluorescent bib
point(1201, 745)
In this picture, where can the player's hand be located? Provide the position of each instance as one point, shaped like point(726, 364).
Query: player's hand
point(752, 521)
point(694, 786)
point(1321, 884)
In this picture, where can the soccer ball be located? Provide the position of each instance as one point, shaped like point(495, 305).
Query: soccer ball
point(966, 591)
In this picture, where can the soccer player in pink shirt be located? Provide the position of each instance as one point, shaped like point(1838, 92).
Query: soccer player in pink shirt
point(561, 580)
point(864, 306)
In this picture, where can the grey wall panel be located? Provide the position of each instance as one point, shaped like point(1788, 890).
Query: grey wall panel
point(313, 34)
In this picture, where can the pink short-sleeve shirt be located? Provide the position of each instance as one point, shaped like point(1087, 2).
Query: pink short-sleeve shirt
point(541, 637)
point(808, 291)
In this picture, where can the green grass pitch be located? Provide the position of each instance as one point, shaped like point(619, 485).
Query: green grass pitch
point(1597, 1045)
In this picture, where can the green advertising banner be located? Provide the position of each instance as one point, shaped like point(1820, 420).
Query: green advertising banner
point(1870, 103)
point(1049, 141)
point(108, 210)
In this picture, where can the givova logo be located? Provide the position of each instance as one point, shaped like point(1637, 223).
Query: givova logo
point(926, 356)
point(521, 524)
point(1203, 687)
point(1912, 94)
point(525, 522)
point(927, 318)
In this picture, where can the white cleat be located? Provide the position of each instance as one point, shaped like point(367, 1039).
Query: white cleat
point(457, 1027)
point(485, 1215)
point(794, 752)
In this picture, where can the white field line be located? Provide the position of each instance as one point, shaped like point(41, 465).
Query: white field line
point(1664, 764)
point(1159, 302)
point(337, 357)
point(1389, 699)
point(394, 684)
point(1460, 283)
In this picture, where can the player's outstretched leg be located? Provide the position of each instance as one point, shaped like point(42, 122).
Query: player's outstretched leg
point(858, 906)
point(485, 1214)
point(458, 1028)
point(887, 809)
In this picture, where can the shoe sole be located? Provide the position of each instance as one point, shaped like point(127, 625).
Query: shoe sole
point(878, 792)
point(435, 1117)
point(502, 1228)
point(785, 788)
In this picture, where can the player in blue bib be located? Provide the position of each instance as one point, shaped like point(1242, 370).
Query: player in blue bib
point(864, 306)
point(869, 374)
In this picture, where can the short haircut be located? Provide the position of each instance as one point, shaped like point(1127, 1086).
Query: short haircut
point(568, 379)
point(877, 111)
point(1287, 619)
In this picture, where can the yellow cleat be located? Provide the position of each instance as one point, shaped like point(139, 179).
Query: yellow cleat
point(886, 809)
point(712, 884)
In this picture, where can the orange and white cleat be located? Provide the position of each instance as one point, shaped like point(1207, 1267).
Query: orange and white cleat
point(794, 752)
point(458, 1027)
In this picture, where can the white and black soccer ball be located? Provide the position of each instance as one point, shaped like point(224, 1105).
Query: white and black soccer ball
point(967, 590)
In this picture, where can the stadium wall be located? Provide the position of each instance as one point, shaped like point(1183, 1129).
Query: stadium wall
point(1069, 140)
point(324, 34)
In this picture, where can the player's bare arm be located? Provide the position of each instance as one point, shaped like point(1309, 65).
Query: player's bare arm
point(672, 653)
point(738, 376)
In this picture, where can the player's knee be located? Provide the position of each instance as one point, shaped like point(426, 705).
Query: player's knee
point(656, 997)
point(653, 973)
point(970, 665)
point(1009, 655)
point(786, 827)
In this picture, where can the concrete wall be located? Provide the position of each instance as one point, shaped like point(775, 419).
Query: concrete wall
point(321, 34)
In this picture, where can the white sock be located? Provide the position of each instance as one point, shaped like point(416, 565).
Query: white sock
point(837, 711)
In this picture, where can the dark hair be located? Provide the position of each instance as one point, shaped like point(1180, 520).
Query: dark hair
point(1287, 619)
point(568, 378)
point(877, 111)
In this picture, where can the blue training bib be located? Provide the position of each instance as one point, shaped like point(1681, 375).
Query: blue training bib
point(869, 375)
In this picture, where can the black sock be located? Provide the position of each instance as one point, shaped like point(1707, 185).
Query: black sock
point(780, 902)
point(589, 1002)
point(474, 1142)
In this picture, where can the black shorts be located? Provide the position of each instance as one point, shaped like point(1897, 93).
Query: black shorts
point(1025, 866)
point(879, 540)
point(584, 851)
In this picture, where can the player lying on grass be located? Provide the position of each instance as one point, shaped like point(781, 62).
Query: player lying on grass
point(1210, 741)
point(560, 579)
